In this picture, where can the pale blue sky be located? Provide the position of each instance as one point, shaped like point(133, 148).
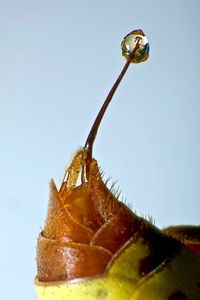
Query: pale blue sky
point(58, 60)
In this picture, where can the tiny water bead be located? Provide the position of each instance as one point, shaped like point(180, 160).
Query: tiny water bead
point(132, 40)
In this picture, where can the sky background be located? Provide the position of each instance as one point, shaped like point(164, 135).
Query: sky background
point(58, 60)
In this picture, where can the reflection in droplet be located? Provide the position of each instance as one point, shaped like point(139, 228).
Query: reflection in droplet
point(129, 43)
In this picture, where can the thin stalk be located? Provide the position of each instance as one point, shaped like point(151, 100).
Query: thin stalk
point(93, 132)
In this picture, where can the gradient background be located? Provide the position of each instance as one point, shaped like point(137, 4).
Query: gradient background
point(58, 60)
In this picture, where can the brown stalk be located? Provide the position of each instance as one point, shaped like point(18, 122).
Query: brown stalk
point(93, 132)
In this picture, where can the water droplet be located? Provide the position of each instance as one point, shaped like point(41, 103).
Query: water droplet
point(129, 43)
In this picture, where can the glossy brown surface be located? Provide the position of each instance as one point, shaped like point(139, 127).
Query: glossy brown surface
point(66, 260)
point(85, 226)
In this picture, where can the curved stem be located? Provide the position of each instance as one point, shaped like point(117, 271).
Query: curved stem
point(94, 129)
point(92, 134)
